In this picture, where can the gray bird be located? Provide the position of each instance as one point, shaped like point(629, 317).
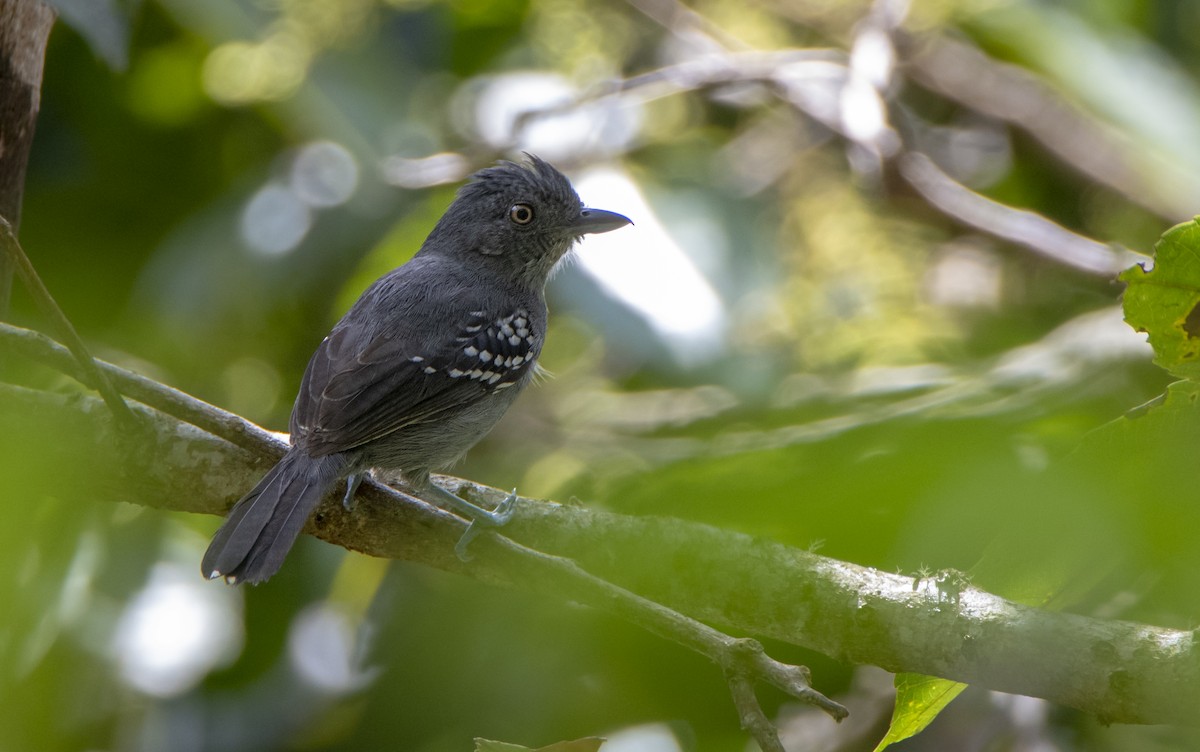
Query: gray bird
point(422, 366)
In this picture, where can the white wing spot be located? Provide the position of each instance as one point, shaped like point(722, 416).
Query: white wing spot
point(454, 373)
point(485, 356)
point(471, 351)
point(416, 359)
point(430, 369)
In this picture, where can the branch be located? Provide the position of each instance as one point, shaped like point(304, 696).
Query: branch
point(1018, 226)
point(520, 564)
point(1118, 671)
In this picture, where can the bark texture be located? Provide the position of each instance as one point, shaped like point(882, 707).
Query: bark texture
point(24, 29)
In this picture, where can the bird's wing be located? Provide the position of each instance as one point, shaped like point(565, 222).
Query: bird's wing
point(358, 389)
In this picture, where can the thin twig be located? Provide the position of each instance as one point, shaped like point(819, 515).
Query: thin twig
point(742, 658)
point(778, 69)
point(1024, 228)
point(746, 661)
point(750, 714)
point(227, 425)
point(45, 301)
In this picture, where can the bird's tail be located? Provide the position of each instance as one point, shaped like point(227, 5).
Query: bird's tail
point(264, 524)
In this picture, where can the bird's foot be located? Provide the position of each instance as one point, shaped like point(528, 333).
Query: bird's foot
point(482, 519)
point(352, 481)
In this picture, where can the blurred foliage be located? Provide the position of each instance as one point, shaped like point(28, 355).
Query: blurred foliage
point(877, 379)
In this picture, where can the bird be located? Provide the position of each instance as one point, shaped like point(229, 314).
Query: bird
point(422, 366)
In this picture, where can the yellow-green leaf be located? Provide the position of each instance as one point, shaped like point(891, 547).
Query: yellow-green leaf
point(919, 699)
point(1164, 302)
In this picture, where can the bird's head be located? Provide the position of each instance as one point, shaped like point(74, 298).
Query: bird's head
point(522, 218)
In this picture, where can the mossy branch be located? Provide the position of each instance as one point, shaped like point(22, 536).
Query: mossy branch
point(1117, 671)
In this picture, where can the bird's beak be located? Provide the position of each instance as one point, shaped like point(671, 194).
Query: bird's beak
point(598, 220)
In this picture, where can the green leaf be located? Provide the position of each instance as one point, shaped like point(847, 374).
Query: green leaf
point(589, 744)
point(919, 699)
point(1165, 301)
point(1149, 457)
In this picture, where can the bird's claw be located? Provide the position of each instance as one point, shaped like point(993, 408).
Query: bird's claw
point(498, 517)
point(352, 482)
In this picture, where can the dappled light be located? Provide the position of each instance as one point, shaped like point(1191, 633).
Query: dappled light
point(887, 324)
point(279, 215)
point(175, 631)
point(275, 220)
point(321, 647)
point(324, 174)
point(536, 112)
point(686, 313)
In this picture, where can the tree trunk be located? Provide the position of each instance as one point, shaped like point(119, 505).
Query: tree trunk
point(24, 29)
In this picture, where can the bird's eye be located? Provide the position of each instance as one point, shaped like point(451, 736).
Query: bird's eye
point(521, 214)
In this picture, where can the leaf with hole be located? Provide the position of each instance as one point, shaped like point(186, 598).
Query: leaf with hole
point(1164, 301)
